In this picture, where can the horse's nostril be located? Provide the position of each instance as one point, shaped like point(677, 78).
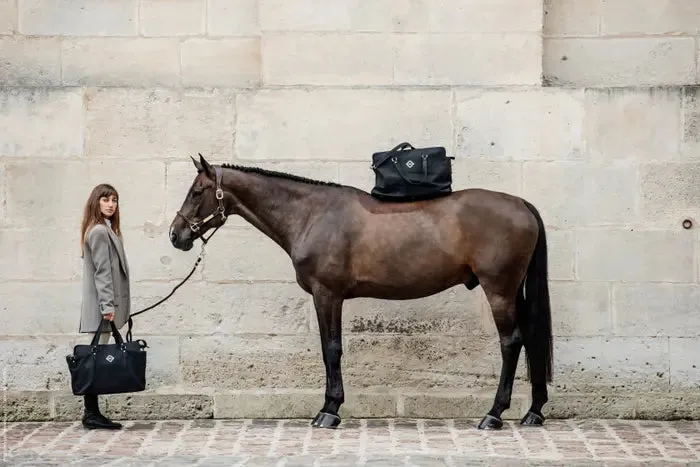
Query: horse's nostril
point(173, 237)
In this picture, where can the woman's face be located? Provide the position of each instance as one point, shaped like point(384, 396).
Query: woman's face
point(108, 204)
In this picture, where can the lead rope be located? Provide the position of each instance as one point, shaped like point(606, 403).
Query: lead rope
point(201, 255)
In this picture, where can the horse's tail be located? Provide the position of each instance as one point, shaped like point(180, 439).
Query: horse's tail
point(537, 317)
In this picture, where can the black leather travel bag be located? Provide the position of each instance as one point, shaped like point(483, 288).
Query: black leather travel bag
point(406, 173)
point(108, 368)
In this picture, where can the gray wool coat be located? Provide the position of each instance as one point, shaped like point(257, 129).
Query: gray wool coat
point(105, 280)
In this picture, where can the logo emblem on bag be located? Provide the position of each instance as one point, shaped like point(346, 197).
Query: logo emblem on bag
point(410, 164)
point(109, 358)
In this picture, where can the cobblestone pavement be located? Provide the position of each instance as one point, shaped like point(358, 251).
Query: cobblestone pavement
point(371, 442)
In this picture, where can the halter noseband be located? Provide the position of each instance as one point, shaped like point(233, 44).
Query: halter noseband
point(220, 210)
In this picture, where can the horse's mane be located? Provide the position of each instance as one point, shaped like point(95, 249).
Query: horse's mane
point(284, 175)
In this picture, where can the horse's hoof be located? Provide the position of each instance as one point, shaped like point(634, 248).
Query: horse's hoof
point(489, 422)
point(532, 419)
point(325, 420)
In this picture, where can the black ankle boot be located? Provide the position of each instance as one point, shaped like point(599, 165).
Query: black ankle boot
point(92, 418)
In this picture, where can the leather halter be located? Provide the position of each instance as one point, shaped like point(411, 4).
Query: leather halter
point(220, 210)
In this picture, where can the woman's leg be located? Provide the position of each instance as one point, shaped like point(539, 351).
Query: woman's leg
point(92, 418)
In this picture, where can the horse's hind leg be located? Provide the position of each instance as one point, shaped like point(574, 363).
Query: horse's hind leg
point(503, 308)
point(329, 313)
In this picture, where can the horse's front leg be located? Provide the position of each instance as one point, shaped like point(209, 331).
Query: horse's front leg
point(329, 314)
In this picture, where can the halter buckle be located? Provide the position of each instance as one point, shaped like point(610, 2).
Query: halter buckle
point(219, 193)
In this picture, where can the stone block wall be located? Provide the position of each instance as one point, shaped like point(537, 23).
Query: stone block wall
point(589, 109)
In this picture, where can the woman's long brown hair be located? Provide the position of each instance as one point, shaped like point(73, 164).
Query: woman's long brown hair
point(93, 216)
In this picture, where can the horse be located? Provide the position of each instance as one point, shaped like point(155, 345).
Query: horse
point(344, 243)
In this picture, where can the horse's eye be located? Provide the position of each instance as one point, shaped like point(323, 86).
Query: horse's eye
point(196, 192)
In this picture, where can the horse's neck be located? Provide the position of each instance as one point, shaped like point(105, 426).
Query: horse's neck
point(279, 208)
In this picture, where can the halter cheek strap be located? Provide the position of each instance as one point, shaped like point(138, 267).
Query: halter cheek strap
point(220, 210)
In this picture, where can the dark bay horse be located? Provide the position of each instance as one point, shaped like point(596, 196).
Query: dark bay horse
point(343, 244)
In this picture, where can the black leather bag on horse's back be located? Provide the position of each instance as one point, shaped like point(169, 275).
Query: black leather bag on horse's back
point(407, 174)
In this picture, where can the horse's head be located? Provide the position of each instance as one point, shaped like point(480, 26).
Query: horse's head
point(202, 209)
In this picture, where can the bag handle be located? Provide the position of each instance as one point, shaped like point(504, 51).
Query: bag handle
point(115, 333)
point(398, 147)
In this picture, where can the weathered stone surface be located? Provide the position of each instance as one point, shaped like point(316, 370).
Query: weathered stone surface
point(624, 255)
point(456, 311)
point(684, 354)
point(452, 16)
point(232, 17)
point(438, 404)
point(561, 252)
point(54, 115)
point(633, 125)
point(247, 362)
point(471, 16)
point(593, 405)
point(497, 176)
point(690, 141)
point(675, 406)
point(152, 257)
point(140, 406)
point(283, 403)
point(580, 308)
point(656, 309)
point(55, 310)
point(78, 18)
point(3, 194)
point(206, 308)
point(337, 59)
point(247, 254)
point(605, 363)
point(269, 126)
point(121, 62)
point(508, 59)
point(140, 184)
point(423, 361)
point(669, 194)
point(366, 404)
point(8, 16)
point(221, 62)
point(35, 363)
point(172, 17)
point(543, 125)
point(577, 194)
point(158, 123)
point(40, 254)
point(24, 406)
point(638, 61)
point(650, 17)
point(26, 61)
point(357, 174)
point(27, 184)
point(571, 17)
point(268, 404)
point(162, 369)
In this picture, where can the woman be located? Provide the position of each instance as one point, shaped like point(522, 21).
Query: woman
point(106, 294)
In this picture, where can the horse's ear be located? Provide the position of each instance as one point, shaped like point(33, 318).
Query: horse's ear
point(208, 169)
point(197, 164)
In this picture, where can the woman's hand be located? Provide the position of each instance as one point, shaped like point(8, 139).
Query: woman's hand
point(108, 316)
